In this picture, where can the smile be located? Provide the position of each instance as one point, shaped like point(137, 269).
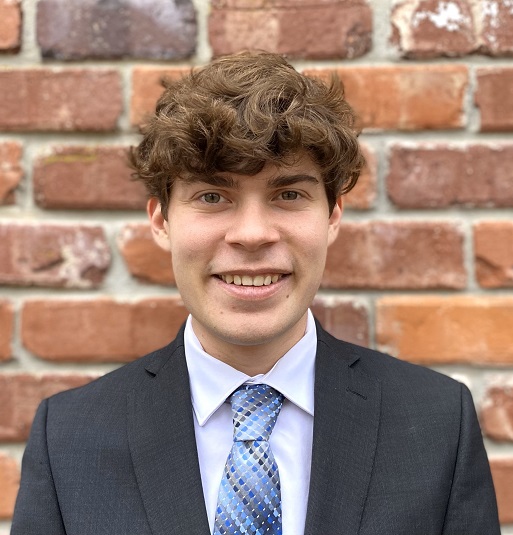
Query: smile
point(246, 280)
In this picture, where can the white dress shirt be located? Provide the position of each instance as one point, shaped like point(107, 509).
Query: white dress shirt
point(212, 381)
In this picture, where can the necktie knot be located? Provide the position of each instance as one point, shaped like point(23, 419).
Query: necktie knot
point(255, 409)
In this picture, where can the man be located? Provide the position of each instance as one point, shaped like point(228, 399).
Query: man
point(246, 161)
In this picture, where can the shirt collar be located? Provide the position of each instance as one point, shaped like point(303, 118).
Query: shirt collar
point(212, 380)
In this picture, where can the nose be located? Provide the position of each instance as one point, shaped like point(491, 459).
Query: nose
point(253, 226)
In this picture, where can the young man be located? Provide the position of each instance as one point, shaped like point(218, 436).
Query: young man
point(255, 420)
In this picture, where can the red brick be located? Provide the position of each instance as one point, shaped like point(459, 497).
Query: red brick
point(440, 175)
point(496, 27)
point(493, 247)
point(59, 100)
point(9, 483)
point(363, 195)
point(447, 330)
point(10, 170)
point(314, 30)
point(386, 254)
point(151, 29)
point(405, 97)
point(147, 88)
point(37, 254)
point(433, 28)
point(90, 178)
point(10, 25)
point(495, 98)
point(346, 320)
point(502, 473)
point(143, 258)
point(497, 412)
point(6, 330)
point(20, 395)
point(99, 330)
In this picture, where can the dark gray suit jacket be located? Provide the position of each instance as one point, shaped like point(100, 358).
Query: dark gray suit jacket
point(397, 450)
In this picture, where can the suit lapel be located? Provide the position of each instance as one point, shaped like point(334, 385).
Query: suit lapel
point(347, 408)
point(163, 447)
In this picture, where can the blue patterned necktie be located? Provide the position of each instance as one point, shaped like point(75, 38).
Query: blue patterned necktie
point(249, 499)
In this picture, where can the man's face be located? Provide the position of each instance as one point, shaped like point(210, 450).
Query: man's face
point(248, 254)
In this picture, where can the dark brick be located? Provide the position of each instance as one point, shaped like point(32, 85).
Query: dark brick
point(153, 29)
point(37, 254)
point(89, 178)
point(59, 100)
point(495, 98)
point(396, 255)
point(343, 319)
point(433, 28)
point(441, 175)
point(297, 28)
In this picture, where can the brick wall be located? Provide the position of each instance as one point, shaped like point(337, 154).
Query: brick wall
point(423, 267)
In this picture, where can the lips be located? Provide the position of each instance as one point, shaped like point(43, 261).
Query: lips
point(247, 280)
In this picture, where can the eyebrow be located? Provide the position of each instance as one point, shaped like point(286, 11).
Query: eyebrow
point(229, 183)
point(290, 180)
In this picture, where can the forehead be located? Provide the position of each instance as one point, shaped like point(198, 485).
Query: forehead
point(299, 168)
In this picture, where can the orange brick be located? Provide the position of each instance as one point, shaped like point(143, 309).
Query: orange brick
point(502, 473)
point(10, 25)
point(147, 88)
point(99, 330)
point(88, 178)
point(59, 100)
point(386, 254)
point(20, 395)
point(447, 330)
point(495, 98)
point(9, 483)
point(363, 195)
point(6, 330)
point(405, 97)
point(346, 320)
point(74, 256)
point(319, 30)
point(497, 412)
point(10, 170)
point(493, 247)
point(143, 258)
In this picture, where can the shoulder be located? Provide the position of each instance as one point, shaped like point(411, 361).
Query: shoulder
point(398, 379)
point(111, 388)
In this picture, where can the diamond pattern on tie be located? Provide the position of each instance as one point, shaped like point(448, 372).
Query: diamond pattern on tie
point(249, 499)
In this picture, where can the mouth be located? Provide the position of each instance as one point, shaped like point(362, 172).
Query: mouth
point(247, 280)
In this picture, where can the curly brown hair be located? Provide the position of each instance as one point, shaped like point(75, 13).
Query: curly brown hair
point(239, 113)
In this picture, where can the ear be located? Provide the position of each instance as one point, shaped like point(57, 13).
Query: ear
point(334, 220)
point(159, 225)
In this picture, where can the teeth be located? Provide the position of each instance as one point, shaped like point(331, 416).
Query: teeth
point(246, 280)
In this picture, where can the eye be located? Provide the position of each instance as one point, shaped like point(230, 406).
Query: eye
point(289, 195)
point(211, 198)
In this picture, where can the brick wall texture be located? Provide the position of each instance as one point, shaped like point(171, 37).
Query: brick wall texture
point(423, 266)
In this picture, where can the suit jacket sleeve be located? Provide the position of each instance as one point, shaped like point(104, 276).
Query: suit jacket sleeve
point(472, 508)
point(37, 509)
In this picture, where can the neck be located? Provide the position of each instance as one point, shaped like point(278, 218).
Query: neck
point(251, 359)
